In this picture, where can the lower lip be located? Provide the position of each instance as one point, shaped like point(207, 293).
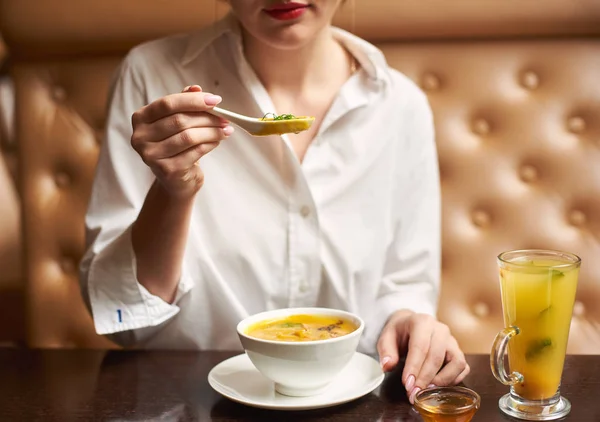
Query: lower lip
point(286, 14)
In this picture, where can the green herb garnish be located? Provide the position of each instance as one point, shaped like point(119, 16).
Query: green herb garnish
point(291, 325)
point(536, 347)
point(556, 274)
point(278, 117)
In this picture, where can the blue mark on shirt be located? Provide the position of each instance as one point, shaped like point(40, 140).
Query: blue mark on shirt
point(119, 315)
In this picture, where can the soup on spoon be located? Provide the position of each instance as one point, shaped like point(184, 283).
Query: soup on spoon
point(269, 124)
point(284, 123)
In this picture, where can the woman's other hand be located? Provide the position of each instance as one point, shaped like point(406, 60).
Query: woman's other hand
point(432, 353)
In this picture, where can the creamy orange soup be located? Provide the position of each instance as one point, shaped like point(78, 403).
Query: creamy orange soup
point(296, 328)
point(280, 127)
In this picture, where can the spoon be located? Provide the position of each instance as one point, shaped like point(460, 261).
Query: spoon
point(265, 126)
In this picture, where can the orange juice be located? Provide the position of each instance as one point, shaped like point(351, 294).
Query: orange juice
point(538, 300)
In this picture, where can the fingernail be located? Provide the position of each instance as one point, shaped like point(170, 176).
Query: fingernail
point(413, 394)
point(410, 383)
point(212, 100)
point(431, 386)
point(384, 361)
point(228, 130)
point(186, 88)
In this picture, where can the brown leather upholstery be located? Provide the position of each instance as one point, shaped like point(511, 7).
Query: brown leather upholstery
point(11, 280)
point(519, 144)
point(515, 92)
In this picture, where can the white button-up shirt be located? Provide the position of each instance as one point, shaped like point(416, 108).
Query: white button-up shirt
point(354, 226)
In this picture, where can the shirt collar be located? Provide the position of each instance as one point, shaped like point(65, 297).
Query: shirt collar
point(198, 41)
point(370, 58)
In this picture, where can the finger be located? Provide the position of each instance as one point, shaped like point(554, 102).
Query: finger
point(183, 141)
point(175, 103)
point(183, 161)
point(175, 123)
point(387, 348)
point(418, 347)
point(192, 88)
point(435, 356)
point(455, 367)
point(462, 375)
point(453, 381)
point(190, 157)
point(453, 373)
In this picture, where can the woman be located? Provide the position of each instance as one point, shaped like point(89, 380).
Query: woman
point(343, 215)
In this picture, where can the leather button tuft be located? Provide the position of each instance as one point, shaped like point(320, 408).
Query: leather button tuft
point(443, 170)
point(62, 180)
point(481, 218)
point(444, 262)
point(430, 82)
point(528, 173)
point(67, 265)
point(98, 136)
point(577, 218)
point(530, 80)
point(59, 93)
point(481, 127)
point(481, 309)
point(578, 309)
point(576, 124)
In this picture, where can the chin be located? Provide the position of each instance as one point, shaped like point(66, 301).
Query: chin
point(283, 34)
point(288, 41)
point(289, 38)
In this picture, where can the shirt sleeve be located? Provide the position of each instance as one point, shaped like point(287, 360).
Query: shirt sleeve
point(117, 302)
point(411, 278)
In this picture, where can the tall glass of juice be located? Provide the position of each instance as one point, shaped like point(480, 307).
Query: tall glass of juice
point(538, 292)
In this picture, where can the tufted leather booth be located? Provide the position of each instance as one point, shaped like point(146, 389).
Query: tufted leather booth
point(516, 96)
point(11, 280)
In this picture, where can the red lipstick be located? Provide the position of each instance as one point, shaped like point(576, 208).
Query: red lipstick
point(286, 11)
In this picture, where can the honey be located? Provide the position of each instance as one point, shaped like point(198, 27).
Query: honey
point(447, 404)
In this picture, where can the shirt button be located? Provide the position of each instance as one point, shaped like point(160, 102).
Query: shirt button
point(305, 211)
point(304, 287)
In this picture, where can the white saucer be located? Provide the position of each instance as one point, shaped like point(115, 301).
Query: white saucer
point(237, 379)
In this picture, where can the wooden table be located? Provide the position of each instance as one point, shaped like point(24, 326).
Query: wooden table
point(79, 385)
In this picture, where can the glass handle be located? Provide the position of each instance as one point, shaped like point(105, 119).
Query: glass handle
point(497, 357)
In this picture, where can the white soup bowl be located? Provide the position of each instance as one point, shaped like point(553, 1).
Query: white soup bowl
point(303, 368)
